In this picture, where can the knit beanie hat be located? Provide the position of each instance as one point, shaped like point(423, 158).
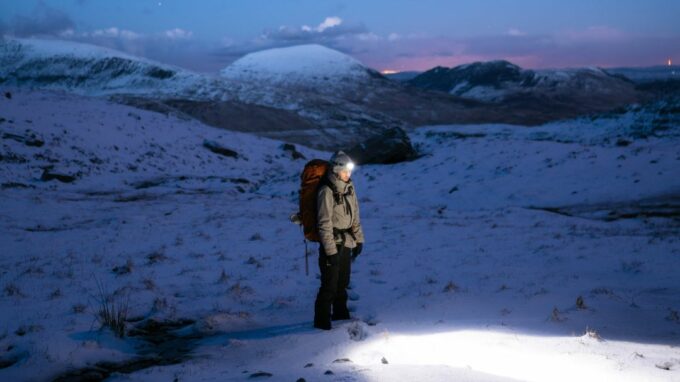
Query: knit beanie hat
point(340, 161)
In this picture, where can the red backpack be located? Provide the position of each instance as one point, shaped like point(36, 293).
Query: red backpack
point(309, 186)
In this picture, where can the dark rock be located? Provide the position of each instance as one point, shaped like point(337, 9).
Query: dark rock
point(453, 135)
point(580, 304)
point(123, 269)
point(134, 198)
point(148, 183)
point(47, 176)
point(33, 141)
point(328, 372)
point(6, 362)
point(260, 374)
point(309, 365)
point(622, 142)
point(30, 140)
point(301, 380)
point(219, 149)
point(392, 146)
point(15, 185)
point(293, 151)
point(384, 361)
point(12, 158)
point(673, 316)
point(451, 287)
point(8, 95)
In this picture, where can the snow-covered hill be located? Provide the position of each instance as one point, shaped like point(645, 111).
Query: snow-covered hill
point(303, 66)
point(502, 253)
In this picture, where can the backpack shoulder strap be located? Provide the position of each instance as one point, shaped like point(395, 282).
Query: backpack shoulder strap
point(336, 194)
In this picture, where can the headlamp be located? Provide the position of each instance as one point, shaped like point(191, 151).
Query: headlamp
point(349, 166)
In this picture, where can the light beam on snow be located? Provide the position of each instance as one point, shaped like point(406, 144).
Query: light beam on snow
point(522, 357)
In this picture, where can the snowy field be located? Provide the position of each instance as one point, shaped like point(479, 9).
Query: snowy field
point(501, 254)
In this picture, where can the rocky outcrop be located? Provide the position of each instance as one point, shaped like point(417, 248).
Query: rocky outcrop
point(392, 146)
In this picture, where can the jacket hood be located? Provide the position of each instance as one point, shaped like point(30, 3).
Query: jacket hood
point(341, 186)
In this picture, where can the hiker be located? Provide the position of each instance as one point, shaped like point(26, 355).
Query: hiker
point(341, 239)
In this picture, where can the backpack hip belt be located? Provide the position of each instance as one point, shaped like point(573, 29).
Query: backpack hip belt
point(337, 233)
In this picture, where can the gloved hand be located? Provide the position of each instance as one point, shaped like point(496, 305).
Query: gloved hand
point(356, 251)
point(332, 260)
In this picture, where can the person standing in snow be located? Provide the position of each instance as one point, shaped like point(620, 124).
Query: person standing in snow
point(341, 239)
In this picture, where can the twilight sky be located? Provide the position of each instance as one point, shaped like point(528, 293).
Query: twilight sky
point(206, 35)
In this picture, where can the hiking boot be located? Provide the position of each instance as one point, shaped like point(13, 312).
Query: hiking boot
point(322, 325)
point(340, 316)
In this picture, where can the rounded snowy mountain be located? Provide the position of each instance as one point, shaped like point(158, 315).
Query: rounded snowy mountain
point(311, 64)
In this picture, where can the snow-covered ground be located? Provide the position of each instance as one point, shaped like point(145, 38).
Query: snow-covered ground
point(503, 253)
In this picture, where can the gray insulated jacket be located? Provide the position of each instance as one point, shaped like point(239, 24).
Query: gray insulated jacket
point(341, 216)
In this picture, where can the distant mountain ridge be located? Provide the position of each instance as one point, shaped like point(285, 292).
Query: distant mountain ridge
point(314, 95)
point(288, 106)
point(93, 70)
point(639, 75)
point(497, 81)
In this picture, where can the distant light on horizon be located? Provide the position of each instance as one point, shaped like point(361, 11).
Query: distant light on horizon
point(670, 62)
point(389, 71)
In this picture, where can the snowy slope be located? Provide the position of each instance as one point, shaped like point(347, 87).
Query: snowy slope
point(476, 253)
point(109, 146)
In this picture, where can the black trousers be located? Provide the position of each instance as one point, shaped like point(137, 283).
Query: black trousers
point(333, 291)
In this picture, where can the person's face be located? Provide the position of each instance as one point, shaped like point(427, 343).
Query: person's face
point(344, 175)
